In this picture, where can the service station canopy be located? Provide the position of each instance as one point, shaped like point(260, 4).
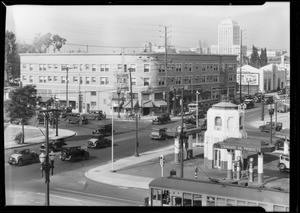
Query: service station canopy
point(249, 145)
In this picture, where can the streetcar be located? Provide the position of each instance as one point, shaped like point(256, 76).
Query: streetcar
point(174, 191)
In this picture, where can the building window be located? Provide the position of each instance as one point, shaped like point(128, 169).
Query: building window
point(146, 67)
point(216, 78)
point(63, 67)
point(178, 80)
point(161, 81)
point(178, 67)
point(190, 67)
point(203, 79)
point(197, 77)
point(49, 66)
point(120, 66)
point(146, 81)
point(93, 79)
point(197, 66)
point(185, 66)
point(24, 66)
point(104, 80)
point(41, 79)
point(24, 77)
point(81, 67)
point(135, 96)
point(216, 67)
point(75, 66)
point(132, 67)
point(161, 68)
point(203, 67)
point(30, 78)
point(80, 79)
point(93, 93)
point(44, 67)
point(55, 78)
point(55, 66)
point(87, 80)
point(49, 78)
point(93, 67)
point(75, 79)
point(93, 104)
point(104, 67)
point(218, 123)
point(31, 66)
point(230, 78)
point(40, 67)
point(63, 79)
point(133, 81)
point(87, 67)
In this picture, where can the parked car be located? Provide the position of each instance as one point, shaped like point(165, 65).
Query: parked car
point(162, 119)
point(98, 141)
point(268, 99)
point(23, 156)
point(283, 108)
point(281, 92)
point(158, 134)
point(54, 145)
point(266, 128)
point(284, 163)
point(73, 152)
point(249, 103)
point(279, 144)
point(104, 129)
point(95, 115)
point(76, 118)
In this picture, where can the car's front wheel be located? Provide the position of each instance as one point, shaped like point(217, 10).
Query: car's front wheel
point(20, 162)
point(282, 168)
point(86, 156)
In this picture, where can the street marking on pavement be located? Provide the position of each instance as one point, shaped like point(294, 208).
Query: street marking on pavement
point(57, 196)
point(100, 196)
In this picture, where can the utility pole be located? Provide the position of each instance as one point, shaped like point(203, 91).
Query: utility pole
point(241, 66)
point(131, 98)
point(79, 97)
point(67, 79)
point(166, 68)
point(181, 137)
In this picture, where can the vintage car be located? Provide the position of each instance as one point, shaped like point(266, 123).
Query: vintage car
point(283, 108)
point(284, 163)
point(281, 92)
point(158, 134)
point(104, 130)
point(249, 103)
point(23, 156)
point(162, 119)
point(98, 141)
point(76, 118)
point(266, 128)
point(95, 115)
point(73, 152)
point(54, 145)
point(268, 99)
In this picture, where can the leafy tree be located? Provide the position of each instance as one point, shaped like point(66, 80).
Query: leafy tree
point(58, 42)
point(22, 104)
point(263, 57)
point(42, 42)
point(254, 58)
point(12, 60)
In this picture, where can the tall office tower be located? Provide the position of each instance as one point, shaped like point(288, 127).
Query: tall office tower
point(228, 37)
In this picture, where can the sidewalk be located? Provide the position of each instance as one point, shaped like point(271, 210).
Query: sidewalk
point(33, 135)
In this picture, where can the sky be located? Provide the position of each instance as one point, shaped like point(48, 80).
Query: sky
point(131, 26)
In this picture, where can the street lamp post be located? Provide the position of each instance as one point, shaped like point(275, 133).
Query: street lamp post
point(44, 157)
point(262, 106)
point(174, 102)
point(67, 79)
point(271, 112)
point(136, 152)
point(181, 132)
point(119, 92)
point(197, 114)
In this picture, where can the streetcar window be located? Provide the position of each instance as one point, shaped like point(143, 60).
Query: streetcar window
point(220, 201)
point(210, 201)
point(177, 201)
point(241, 203)
point(252, 204)
point(231, 202)
point(279, 208)
point(197, 200)
point(153, 194)
point(187, 199)
point(166, 197)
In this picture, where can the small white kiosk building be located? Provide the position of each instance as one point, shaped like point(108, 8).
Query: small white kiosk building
point(224, 120)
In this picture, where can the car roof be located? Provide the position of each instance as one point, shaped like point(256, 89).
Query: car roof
point(248, 100)
point(93, 139)
point(157, 129)
point(70, 146)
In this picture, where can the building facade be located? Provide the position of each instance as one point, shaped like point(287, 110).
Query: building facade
point(102, 81)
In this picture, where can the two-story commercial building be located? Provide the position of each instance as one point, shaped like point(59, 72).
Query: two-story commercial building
point(102, 81)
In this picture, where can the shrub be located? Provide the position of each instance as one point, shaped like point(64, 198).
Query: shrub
point(19, 137)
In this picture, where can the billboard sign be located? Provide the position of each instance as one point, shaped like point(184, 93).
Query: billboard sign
point(251, 78)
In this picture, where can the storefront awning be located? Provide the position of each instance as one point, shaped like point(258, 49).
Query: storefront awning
point(242, 144)
point(128, 104)
point(160, 103)
point(147, 103)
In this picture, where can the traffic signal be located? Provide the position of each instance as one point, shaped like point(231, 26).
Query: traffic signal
point(162, 160)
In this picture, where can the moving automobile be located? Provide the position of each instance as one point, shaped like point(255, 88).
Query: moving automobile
point(104, 130)
point(73, 152)
point(268, 99)
point(98, 141)
point(95, 115)
point(22, 156)
point(162, 119)
point(284, 163)
point(76, 118)
point(158, 134)
point(266, 128)
point(249, 103)
point(54, 145)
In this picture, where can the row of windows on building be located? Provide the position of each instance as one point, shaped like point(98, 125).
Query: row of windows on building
point(178, 67)
point(188, 79)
